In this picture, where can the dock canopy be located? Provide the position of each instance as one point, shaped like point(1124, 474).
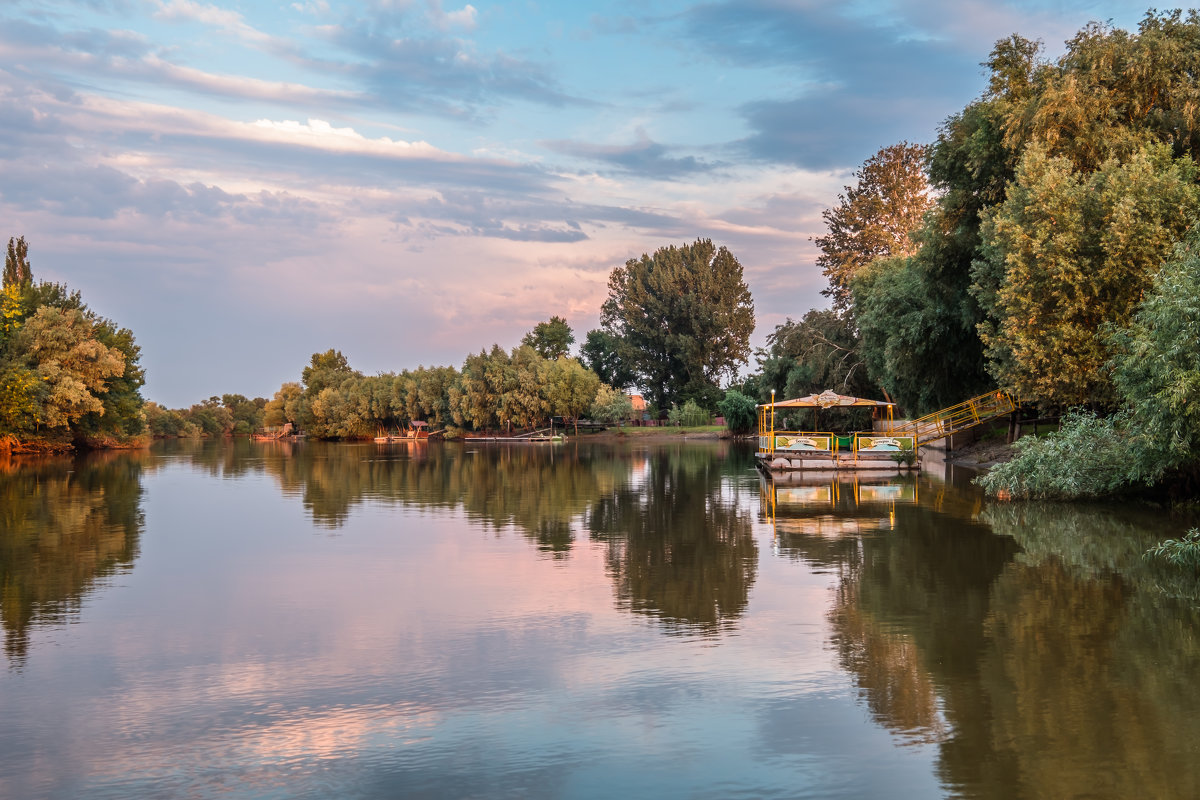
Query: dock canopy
point(826, 399)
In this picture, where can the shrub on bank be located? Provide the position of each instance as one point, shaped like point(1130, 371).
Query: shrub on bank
point(690, 415)
point(740, 412)
point(1087, 457)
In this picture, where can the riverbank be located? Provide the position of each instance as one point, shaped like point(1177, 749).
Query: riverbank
point(978, 455)
point(11, 445)
point(658, 434)
point(982, 455)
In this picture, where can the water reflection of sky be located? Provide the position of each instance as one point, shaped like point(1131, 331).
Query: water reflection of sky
point(431, 647)
point(414, 653)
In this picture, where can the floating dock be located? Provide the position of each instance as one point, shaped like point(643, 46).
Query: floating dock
point(894, 448)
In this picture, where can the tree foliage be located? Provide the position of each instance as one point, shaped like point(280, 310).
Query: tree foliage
point(65, 372)
point(875, 218)
point(1058, 193)
point(1067, 253)
point(685, 316)
point(818, 352)
point(551, 339)
point(609, 357)
point(1156, 363)
point(911, 343)
point(71, 361)
point(17, 271)
point(740, 412)
point(689, 415)
point(570, 388)
point(1087, 457)
point(611, 405)
point(494, 389)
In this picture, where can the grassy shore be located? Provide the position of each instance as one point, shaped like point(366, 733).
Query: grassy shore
point(663, 432)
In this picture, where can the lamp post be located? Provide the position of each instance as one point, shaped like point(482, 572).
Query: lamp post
point(772, 422)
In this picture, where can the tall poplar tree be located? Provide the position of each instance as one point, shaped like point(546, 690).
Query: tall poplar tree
point(875, 218)
point(16, 264)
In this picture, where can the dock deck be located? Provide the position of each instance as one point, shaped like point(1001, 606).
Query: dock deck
point(780, 461)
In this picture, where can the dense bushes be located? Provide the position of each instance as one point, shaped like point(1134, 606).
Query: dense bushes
point(1088, 456)
point(739, 411)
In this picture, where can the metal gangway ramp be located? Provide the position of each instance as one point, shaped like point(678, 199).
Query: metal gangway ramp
point(965, 415)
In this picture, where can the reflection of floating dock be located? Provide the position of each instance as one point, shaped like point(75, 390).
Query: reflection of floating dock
point(780, 461)
point(808, 505)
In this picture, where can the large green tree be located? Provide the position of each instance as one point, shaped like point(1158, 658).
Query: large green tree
point(316, 408)
point(71, 361)
point(685, 315)
point(913, 343)
point(815, 353)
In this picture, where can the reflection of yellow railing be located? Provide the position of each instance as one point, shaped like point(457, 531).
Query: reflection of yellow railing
point(961, 417)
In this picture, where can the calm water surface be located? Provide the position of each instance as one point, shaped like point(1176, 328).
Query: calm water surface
point(246, 620)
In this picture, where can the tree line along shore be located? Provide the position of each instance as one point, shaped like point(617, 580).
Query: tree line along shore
point(1042, 243)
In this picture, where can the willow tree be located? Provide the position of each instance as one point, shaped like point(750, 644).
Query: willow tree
point(523, 402)
point(475, 400)
point(685, 316)
point(570, 388)
point(1157, 363)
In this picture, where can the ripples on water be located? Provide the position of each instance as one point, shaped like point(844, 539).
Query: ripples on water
point(263, 620)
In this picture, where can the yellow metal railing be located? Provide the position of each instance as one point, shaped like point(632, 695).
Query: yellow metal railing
point(796, 442)
point(961, 417)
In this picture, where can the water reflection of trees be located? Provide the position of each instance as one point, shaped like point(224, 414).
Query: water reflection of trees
point(678, 547)
point(908, 614)
point(1043, 655)
point(1082, 632)
point(65, 525)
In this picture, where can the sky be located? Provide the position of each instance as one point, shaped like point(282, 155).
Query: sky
point(243, 183)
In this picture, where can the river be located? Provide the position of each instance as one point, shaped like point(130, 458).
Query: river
point(579, 620)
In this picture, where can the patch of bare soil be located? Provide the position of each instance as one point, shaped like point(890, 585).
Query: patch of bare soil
point(982, 454)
